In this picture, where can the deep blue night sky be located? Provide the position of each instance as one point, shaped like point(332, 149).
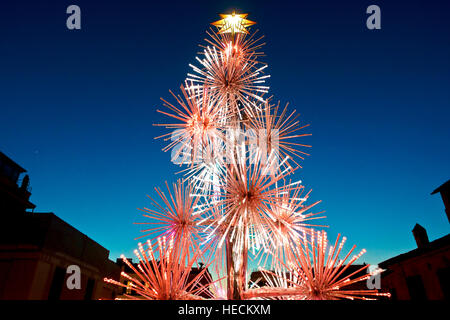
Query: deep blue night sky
point(77, 107)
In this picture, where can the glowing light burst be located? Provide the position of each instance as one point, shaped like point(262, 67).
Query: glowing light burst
point(242, 46)
point(277, 129)
point(244, 196)
point(322, 276)
point(176, 218)
point(168, 278)
point(292, 220)
point(233, 23)
point(232, 74)
point(203, 174)
point(200, 118)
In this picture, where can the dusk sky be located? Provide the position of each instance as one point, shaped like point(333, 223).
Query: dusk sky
point(77, 108)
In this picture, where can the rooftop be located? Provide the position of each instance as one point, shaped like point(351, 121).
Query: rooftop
point(433, 245)
point(7, 160)
point(443, 187)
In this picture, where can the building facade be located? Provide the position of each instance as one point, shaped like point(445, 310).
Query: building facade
point(422, 273)
point(36, 249)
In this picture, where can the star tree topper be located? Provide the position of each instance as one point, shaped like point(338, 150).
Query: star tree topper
point(233, 23)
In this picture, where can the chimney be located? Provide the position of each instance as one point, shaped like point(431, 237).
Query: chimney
point(420, 234)
point(444, 190)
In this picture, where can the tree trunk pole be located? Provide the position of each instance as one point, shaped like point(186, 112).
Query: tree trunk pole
point(237, 262)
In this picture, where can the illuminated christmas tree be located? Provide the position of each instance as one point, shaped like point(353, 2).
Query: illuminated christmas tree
point(237, 200)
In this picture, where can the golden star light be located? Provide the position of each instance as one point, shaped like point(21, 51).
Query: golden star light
point(233, 23)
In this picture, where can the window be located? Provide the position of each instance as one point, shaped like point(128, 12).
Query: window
point(128, 289)
point(89, 289)
point(444, 281)
point(416, 288)
point(57, 283)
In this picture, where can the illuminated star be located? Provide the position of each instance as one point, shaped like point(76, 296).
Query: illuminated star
point(233, 23)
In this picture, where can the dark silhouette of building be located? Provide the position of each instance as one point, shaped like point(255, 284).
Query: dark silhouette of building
point(13, 198)
point(125, 268)
point(37, 248)
point(444, 190)
point(260, 278)
point(203, 280)
point(422, 273)
point(421, 236)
